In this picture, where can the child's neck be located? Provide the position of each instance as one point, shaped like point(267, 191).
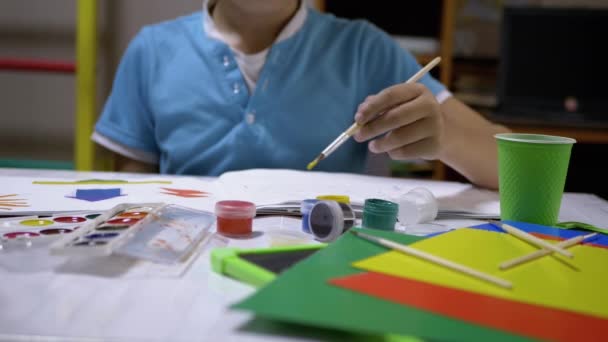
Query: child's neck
point(251, 26)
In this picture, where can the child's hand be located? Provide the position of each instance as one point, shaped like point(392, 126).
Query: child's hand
point(411, 118)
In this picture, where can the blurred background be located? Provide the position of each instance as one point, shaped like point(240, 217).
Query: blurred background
point(483, 43)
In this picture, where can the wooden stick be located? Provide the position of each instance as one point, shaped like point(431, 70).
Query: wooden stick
point(531, 238)
point(543, 252)
point(14, 205)
point(436, 260)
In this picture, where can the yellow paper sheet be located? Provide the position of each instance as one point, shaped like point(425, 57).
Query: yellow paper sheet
point(579, 284)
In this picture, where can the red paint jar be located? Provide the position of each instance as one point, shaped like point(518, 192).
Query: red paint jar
point(234, 218)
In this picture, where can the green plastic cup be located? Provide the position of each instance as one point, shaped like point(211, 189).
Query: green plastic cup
point(532, 171)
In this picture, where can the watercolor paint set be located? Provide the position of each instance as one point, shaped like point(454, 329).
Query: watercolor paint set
point(164, 233)
point(30, 228)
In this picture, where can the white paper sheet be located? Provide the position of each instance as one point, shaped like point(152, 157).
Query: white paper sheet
point(49, 198)
point(264, 186)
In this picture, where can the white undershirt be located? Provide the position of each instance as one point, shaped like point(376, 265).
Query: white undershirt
point(251, 64)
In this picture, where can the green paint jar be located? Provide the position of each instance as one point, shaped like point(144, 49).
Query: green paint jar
point(379, 214)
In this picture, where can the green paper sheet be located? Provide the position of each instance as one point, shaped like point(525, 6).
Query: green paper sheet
point(302, 295)
point(577, 284)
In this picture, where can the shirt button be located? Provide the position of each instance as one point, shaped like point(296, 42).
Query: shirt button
point(250, 118)
point(236, 88)
point(226, 61)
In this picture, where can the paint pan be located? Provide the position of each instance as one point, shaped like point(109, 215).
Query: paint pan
point(101, 234)
point(33, 227)
point(158, 232)
point(25, 241)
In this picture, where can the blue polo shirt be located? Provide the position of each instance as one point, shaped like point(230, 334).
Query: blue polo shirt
point(179, 96)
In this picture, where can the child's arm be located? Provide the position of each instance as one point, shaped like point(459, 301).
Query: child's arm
point(469, 145)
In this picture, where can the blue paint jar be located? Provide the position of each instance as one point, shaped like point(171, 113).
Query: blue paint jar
point(305, 207)
point(379, 214)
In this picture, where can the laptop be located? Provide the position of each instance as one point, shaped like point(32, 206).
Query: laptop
point(553, 67)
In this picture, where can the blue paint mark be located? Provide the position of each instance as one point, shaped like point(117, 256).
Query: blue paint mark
point(599, 239)
point(101, 236)
point(94, 195)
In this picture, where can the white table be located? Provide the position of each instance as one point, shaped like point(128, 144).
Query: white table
point(106, 300)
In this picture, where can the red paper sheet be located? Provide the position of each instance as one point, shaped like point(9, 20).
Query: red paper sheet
point(516, 317)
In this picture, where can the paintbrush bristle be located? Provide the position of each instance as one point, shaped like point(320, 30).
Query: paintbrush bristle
point(314, 163)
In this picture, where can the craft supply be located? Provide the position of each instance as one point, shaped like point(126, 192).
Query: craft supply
point(305, 208)
point(418, 205)
point(548, 233)
point(543, 252)
point(530, 238)
point(103, 234)
point(338, 198)
point(355, 126)
point(235, 218)
point(379, 214)
point(27, 228)
point(329, 219)
point(162, 233)
point(569, 284)
point(581, 225)
point(303, 295)
point(259, 266)
point(536, 321)
point(167, 235)
point(437, 260)
point(74, 197)
point(293, 208)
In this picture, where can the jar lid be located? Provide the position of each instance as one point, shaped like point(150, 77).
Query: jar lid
point(326, 221)
point(381, 206)
point(338, 198)
point(235, 209)
point(307, 204)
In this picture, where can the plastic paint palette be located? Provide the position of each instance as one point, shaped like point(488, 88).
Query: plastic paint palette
point(164, 233)
point(102, 234)
point(32, 227)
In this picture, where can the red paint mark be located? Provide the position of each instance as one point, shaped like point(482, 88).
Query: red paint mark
point(125, 220)
point(188, 193)
point(15, 235)
point(160, 243)
point(53, 231)
point(516, 317)
point(69, 219)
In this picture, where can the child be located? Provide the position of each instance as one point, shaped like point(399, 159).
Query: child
point(268, 84)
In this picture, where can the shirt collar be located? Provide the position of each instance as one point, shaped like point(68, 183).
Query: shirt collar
point(292, 27)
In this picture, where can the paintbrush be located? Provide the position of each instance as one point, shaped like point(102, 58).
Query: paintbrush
point(352, 130)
